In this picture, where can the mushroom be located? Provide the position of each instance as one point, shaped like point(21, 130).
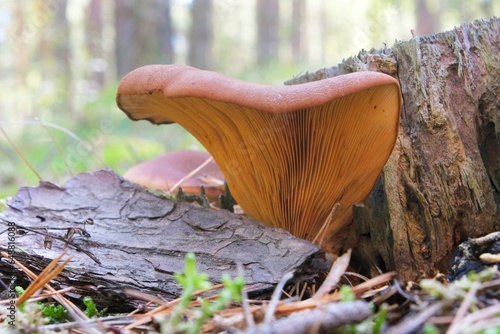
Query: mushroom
point(289, 153)
point(187, 169)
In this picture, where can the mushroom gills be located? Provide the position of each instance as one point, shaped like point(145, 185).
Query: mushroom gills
point(289, 167)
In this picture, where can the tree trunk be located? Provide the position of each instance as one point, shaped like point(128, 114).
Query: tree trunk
point(201, 35)
point(441, 184)
point(124, 49)
point(267, 31)
point(94, 28)
point(166, 34)
point(143, 34)
point(20, 43)
point(298, 17)
point(52, 42)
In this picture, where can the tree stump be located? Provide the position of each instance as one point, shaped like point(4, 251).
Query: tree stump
point(441, 184)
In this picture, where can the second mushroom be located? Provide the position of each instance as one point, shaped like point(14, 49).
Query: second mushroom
point(289, 153)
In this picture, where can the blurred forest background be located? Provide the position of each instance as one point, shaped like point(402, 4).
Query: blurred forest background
point(61, 61)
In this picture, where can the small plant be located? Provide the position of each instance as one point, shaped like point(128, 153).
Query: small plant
point(19, 291)
point(372, 324)
point(171, 197)
point(346, 294)
point(49, 313)
point(30, 316)
point(430, 329)
point(91, 310)
point(457, 290)
point(53, 314)
point(186, 319)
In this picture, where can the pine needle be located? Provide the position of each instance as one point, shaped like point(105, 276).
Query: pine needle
point(20, 154)
point(194, 171)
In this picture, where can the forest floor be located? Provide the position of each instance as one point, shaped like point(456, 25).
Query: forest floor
point(340, 301)
point(378, 305)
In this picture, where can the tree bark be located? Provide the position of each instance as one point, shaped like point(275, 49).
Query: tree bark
point(441, 184)
point(122, 236)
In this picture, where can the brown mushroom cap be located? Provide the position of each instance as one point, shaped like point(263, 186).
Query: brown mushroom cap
point(289, 153)
point(166, 171)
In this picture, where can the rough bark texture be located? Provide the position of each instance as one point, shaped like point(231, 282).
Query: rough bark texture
point(441, 184)
point(138, 240)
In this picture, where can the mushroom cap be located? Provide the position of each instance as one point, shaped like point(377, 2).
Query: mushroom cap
point(289, 153)
point(164, 172)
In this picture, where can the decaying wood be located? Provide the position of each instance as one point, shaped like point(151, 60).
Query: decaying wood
point(476, 255)
point(442, 183)
point(122, 236)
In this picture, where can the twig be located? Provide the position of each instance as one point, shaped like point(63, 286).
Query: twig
point(147, 317)
point(326, 317)
point(51, 271)
point(403, 293)
point(413, 322)
point(456, 323)
point(276, 297)
point(59, 149)
point(483, 325)
point(115, 320)
point(74, 311)
point(244, 300)
point(358, 290)
point(194, 171)
point(477, 320)
point(318, 239)
point(144, 296)
point(338, 269)
point(41, 296)
point(66, 242)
